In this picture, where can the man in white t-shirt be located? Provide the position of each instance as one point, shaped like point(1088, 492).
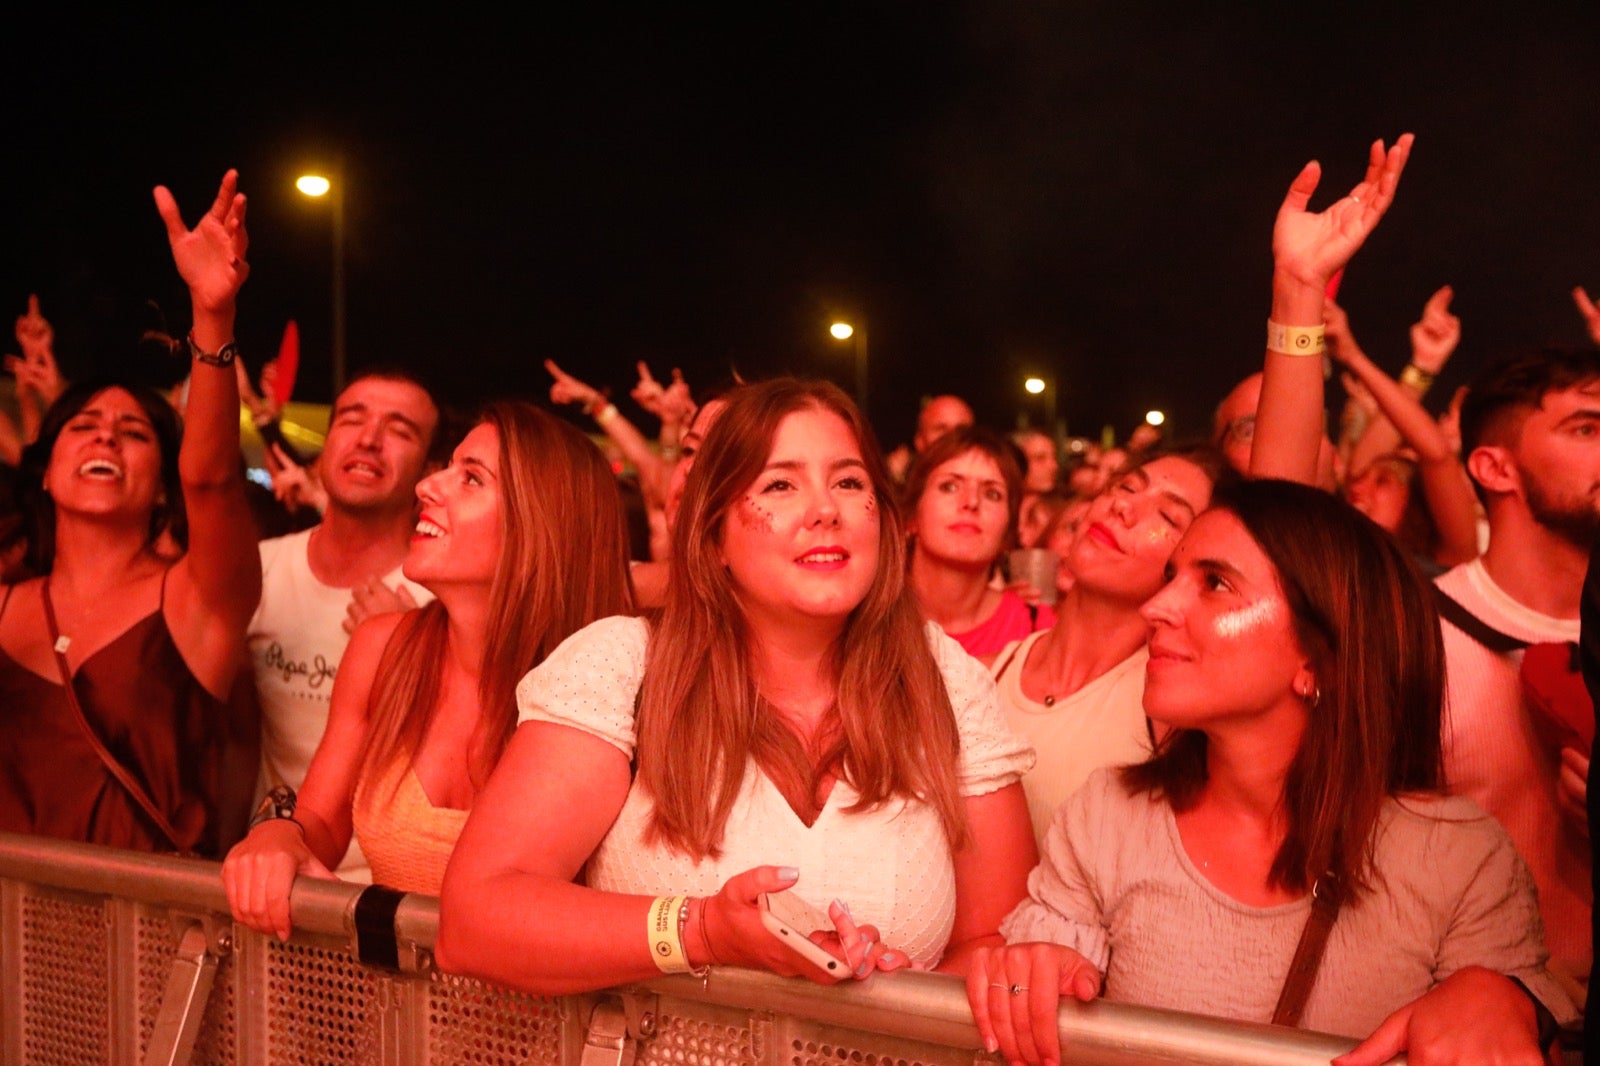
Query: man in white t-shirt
point(318, 583)
point(1530, 429)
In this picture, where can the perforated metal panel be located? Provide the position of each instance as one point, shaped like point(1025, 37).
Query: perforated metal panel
point(821, 1045)
point(696, 1035)
point(471, 1022)
point(321, 1007)
point(65, 996)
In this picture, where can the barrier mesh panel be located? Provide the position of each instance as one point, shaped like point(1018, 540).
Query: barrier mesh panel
point(64, 984)
point(711, 1037)
point(471, 1022)
point(321, 1007)
point(820, 1045)
point(154, 951)
point(219, 1030)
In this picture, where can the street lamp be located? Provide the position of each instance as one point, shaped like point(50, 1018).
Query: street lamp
point(317, 186)
point(1155, 418)
point(1035, 385)
point(844, 331)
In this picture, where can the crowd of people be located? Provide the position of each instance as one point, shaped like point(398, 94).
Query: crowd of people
point(1260, 726)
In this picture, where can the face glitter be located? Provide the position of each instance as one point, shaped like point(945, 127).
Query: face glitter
point(1246, 619)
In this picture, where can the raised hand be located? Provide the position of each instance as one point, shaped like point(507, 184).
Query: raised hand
point(568, 389)
point(1590, 313)
point(1435, 336)
point(371, 597)
point(34, 333)
point(648, 394)
point(1311, 247)
point(1336, 333)
point(210, 257)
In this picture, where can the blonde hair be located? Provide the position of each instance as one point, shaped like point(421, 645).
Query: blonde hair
point(563, 564)
point(700, 719)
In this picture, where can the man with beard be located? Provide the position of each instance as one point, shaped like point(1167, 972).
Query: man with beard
point(1530, 430)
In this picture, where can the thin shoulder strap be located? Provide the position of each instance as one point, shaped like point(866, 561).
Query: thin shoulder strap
point(59, 646)
point(998, 674)
point(1452, 611)
point(7, 601)
point(1307, 955)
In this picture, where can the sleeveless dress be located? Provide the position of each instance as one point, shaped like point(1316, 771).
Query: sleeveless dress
point(154, 717)
point(407, 840)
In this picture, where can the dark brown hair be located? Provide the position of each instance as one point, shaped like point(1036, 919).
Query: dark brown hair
point(1365, 618)
point(953, 445)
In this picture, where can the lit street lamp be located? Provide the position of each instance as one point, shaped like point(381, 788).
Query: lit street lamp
point(844, 331)
point(316, 186)
point(1034, 385)
point(1155, 418)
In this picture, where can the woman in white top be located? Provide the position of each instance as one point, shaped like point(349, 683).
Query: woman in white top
point(793, 723)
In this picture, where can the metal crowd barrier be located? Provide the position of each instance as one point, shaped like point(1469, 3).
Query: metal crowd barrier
point(110, 956)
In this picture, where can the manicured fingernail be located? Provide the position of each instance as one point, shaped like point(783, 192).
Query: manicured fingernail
point(788, 873)
point(991, 1045)
point(864, 968)
point(842, 905)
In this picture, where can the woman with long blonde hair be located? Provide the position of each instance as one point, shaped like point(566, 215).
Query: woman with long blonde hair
point(522, 541)
point(794, 724)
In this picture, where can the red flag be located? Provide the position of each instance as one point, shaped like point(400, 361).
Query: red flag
point(288, 364)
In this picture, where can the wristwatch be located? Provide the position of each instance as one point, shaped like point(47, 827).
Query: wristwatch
point(223, 356)
point(277, 803)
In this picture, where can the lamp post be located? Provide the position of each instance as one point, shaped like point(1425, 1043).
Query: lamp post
point(317, 186)
point(1046, 387)
point(844, 331)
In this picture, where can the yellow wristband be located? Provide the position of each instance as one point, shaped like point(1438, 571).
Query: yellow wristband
point(1416, 379)
point(666, 941)
point(1294, 340)
point(605, 414)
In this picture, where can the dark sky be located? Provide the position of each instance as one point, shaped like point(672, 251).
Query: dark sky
point(1081, 189)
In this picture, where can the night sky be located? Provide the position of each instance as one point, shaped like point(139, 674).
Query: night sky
point(1084, 190)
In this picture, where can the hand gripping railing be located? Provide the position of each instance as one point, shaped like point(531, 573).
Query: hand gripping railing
point(122, 957)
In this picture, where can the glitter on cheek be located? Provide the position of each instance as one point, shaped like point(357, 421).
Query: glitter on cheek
point(1159, 534)
point(1246, 619)
point(754, 517)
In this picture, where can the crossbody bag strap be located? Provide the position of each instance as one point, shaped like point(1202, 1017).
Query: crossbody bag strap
point(58, 646)
point(1307, 956)
point(1452, 611)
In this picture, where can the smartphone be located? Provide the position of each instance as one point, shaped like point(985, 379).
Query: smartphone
point(792, 920)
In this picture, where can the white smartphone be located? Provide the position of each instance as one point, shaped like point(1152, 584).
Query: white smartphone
point(792, 920)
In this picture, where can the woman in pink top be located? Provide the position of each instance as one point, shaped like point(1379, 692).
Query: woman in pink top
point(522, 541)
point(961, 501)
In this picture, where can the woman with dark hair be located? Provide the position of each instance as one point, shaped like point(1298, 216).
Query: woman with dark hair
point(1296, 656)
point(117, 661)
point(522, 540)
point(787, 720)
point(961, 499)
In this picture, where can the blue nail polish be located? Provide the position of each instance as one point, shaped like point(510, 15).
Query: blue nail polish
point(865, 939)
point(864, 968)
point(788, 873)
point(842, 905)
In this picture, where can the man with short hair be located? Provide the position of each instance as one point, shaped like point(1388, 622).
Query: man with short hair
point(1530, 429)
point(317, 583)
point(1233, 429)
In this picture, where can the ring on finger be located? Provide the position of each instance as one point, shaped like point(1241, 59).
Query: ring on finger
point(1017, 990)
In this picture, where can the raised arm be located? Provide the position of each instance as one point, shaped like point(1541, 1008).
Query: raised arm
point(214, 589)
point(1590, 313)
point(1308, 249)
point(568, 389)
point(1444, 482)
